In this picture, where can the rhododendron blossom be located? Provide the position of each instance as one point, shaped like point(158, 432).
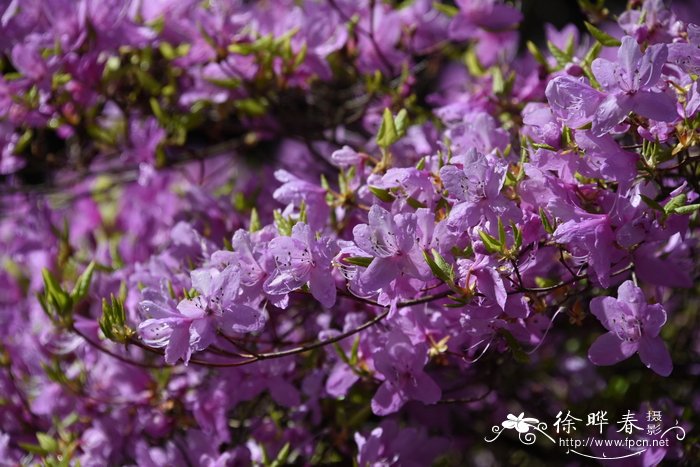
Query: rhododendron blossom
point(315, 232)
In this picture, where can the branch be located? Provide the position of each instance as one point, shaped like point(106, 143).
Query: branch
point(309, 347)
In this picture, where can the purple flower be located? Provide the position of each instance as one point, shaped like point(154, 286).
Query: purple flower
point(251, 255)
point(629, 82)
point(685, 54)
point(606, 159)
point(389, 444)
point(649, 23)
point(391, 241)
point(590, 235)
point(633, 327)
point(408, 182)
point(473, 130)
point(346, 157)
point(295, 190)
point(302, 258)
point(489, 15)
point(491, 22)
point(573, 100)
point(476, 187)
point(193, 326)
point(401, 363)
point(482, 272)
point(540, 124)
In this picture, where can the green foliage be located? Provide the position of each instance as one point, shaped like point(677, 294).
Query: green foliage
point(113, 320)
point(439, 266)
point(604, 38)
point(362, 261)
point(57, 303)
point(382, 194)
point(392, 128)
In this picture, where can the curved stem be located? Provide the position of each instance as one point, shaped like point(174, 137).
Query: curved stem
point(314, 345)
point(113, 354)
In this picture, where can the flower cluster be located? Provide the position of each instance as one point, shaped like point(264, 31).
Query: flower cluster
point(242, 233)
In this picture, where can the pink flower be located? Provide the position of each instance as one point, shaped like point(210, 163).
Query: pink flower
point(633, 327)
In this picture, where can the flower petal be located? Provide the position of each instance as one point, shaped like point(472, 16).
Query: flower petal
point(653, 318)
point(322, 286)
point(609, 349)
point(424, 390)
point(192, 309)
point(242, 318)
point(179, 345)
point(387, 400)
point(654, 354)
point(655, 105)
point(608, 310)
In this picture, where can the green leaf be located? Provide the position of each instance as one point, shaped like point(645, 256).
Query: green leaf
point(387, 131)
point(567, 137)
point(254, 224)
point(593, 53)
point(558, 54)
point(341, 353)
point(689, 209)
point(675, 203)
point(167, 50)
point(543, 146)
point(501, 233)
point(33, 449)
point(113, 320)
point(243, 48)
point(58, 301)
point(437, 272)
point(324, 183)
point(448, 10)
point(70, 419)
point(284, 225)
point(570, 47)
point(401, 122)
point(498, 83)
point(51, 285)
point(354, 352)
point(604, 38)
point(439, 267)
point(473, 64)
point(363, 261)
point(300, 56)
point(158, 110)
point(303, 217)
point(545, 222)
point(414, 203)
point(82, 285)
point(47, 443)
point(382, 194)
point(492, 245)
point(251, 106)
point(517, 236)
point(228, 83)
point(23, 141)
point(282, 455)
point(444, 266)
point(536, 53)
